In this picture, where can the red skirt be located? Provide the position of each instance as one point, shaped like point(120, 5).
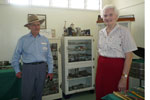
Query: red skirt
point(108, 75)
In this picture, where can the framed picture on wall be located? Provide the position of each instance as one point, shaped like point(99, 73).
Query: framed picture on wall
point(41, 16)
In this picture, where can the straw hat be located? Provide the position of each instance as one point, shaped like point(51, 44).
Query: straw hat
point(33, 18)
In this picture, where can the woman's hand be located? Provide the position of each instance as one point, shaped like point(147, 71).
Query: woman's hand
point(127, 64)
point(122, 84)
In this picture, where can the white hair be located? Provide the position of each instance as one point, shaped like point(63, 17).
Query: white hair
point(109, 7)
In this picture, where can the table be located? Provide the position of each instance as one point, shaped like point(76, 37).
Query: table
point(10, 86)
point(134, 92)
point(113, 97)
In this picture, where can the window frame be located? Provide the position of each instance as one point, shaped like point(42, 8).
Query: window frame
point(68, 7)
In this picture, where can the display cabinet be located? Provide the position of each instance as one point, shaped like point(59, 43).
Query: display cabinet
point(78, 64)
point(52, 88)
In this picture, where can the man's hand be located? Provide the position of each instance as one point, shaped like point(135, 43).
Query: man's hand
point(19, 74)
point(50, 76)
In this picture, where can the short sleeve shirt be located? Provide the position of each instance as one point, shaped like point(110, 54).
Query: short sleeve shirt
point(117, 43)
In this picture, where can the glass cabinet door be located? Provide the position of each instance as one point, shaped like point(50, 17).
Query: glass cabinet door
point(79, 78)
point(79, 50)
point(52, 87)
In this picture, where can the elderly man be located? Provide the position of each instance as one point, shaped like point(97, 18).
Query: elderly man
point(34, 49)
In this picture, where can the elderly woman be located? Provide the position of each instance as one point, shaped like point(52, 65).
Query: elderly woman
point(115, 46)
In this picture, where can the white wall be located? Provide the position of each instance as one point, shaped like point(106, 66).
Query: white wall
point(13, 18)
point(104, 2)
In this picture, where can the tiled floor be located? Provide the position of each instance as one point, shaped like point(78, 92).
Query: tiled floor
point(82, 96)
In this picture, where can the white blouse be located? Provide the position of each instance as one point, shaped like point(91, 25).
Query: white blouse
point(117, 43)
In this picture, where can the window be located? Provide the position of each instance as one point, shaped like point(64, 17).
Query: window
point(79, 4)
point(19, 2)
point(75, 4)
point(40, 2)
point(59, 3)
point(93, 4)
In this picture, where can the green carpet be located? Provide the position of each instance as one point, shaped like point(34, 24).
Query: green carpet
point(82, 96)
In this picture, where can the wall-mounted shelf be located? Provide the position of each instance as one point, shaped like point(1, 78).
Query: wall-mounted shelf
point(119, 19)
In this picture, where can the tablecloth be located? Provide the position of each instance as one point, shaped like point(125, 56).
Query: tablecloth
point(10, 86)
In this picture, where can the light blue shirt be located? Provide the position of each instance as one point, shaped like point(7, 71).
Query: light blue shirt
point(32, 49)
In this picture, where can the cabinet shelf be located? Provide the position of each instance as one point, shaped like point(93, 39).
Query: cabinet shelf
point(79, 87)
point(78, 78)
point(76, 50)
